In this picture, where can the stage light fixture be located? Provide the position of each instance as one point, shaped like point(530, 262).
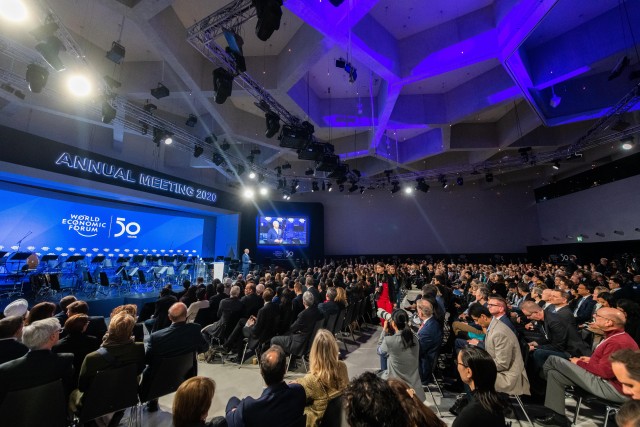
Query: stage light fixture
point(422, 185)
point(111, 82)
point(149, 107)
point(158, 134)
point(46, 30)
point(217, 159)
point(222, 85)
point(395, 187)
point(556, 165)
point(37, 77)
point(295, 184)
point(353, 188)
point(144, 127)
point(341, 180)
point(314, 187)
point(19, 94)
point(348, 67)
point(361, 190)
point(248, 193)
point(329, 186)
point(264, 191)
point(443, 180)
point(252, 175)
point(116, 54)
point(79, 85)
point(628, 143)
point(295, 137)
point(269, 13)
point(192, 120)
point(240, 169)
point(309, 172)
point(286, 166)
point(459, 181)
point(408, 190)
point(336, 3)
point(341, 187)
point(168, 138)
point(251, 158)
point(211, 139)
point(49, 50)
point(108, 112)
point(197, 151)
point(14, 10)
point(225, 146)
point(160, 91)
point(489, 177)
point(273, 124)
point(278, 171)
point(620, 125)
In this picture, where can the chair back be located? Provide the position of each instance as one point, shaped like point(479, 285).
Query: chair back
point(104, 279)
point(40, 406)
point(334, 415)
point(330, 322)
point(166, 375)
point(339, 322)
point(110, 391)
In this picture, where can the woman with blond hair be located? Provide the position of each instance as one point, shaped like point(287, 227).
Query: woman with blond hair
point(341, 298)
point(192, 402)
point(327, 377)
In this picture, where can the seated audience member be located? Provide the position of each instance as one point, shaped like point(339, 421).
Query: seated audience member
point(229, 312)
point(587, 372)
point(42, 310)
point(478, 370)
point(19, 307)
point(584, 305)
point(192, 402)
point(97, 326)
point(400, 348)
point(120, 349)
point(606, 299)
point(503, 346)
point(11, 346)
point(279, 405)
point(629, 414)
point(64, 303)
point(370, 401)
point(201, 303)
point(132, 309)
point(251, 301)
point(214, 301)
point(558, 339)
point(341, 298)
point(189, 295)
point(625, 364)
point(76, 341)
point(179, 338)
point(418, 413)
point(327, 377)
point(329, 307)
point(160, 319)
point(618, 290)
point(429, 339)
point(498, 308)
point(463, 328)
point(258, 329)
point(301, 328)
point(40, 365)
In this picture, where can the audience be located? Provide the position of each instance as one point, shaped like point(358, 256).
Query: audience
point(418, 413)
point(192, 402)
point(97, 326)
point(76, 341)
point(370, 401)
point(64, 304)
point(588, 372)
point(40, 311)
point(229, 313)
point(132, 309)
point(629, 414)
point(40, 365)
point(11, 346)
point(300, 330)
point(201, 303)
point(19, 307)
point(327, 377)
point(429, 339)
point(279, 404)
point(478, 370)
point(160, 318)
point(625, 365)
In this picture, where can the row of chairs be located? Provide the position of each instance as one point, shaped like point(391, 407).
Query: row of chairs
point(112, 390)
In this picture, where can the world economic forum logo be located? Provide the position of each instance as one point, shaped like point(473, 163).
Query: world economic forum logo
point(84, 225)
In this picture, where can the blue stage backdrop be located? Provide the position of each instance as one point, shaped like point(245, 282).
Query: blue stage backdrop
point(58, 226)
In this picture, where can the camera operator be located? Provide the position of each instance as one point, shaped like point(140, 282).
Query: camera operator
point(399, 351)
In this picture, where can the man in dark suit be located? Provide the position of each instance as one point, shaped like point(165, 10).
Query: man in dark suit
point(160, 319)
point(619, 291)
point(274, 235)
point(329, 307)
point(251, 301)
point(558, 339)
point(10, 334)
point(301, 328)
point(40, 365)
point(64, 304)
point(584, 305)
point(280, 404)
point(560, 301)
point(246, 263)
point(179, 338)
point(429, 338)
point(258, 329)
point(229, 313)
point(214, 300)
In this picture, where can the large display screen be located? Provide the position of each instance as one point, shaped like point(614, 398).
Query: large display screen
point(282, 230)
point(48, 225)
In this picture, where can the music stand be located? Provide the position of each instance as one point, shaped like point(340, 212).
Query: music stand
point(168, 258)
point(3, 253)
point(50, 257)
point(19, 256)
point(75, 258)
point(219, 258)
point(138, 258)
point(124, 259)
point(97, 259)
point(209, 259)
point(152, 258)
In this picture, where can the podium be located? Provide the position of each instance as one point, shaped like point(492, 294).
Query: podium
point(218, 270)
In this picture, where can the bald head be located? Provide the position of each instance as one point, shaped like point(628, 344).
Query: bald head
point(614, 315)
point(178, 312)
